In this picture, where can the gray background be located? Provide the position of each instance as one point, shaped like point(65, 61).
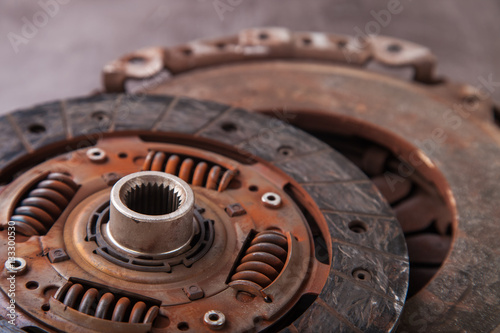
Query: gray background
point(65, 57)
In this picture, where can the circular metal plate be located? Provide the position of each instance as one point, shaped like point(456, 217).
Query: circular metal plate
point(439, 131)
point(368, 268)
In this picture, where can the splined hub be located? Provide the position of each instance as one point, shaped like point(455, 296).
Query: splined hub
point(206, 225)
point(151, 213)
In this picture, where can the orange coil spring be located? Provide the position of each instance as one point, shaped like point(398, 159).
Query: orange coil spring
point(264, 259)
point(107, 306)
point(200, 173)
point(43, 205)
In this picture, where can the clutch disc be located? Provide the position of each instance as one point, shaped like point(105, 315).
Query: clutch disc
point(163, 213)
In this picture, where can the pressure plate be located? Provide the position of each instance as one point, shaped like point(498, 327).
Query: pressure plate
point(431, 146)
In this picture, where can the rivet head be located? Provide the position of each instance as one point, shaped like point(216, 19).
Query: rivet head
point(214, 319)
point(271, 200)
point(96, 155)
point(17, 265)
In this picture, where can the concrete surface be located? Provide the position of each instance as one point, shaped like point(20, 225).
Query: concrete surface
point(64, 56)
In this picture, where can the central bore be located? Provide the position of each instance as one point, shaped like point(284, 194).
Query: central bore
point(151, 213)
point(152, 199)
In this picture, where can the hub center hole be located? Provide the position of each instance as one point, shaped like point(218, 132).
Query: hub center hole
point(152, 199)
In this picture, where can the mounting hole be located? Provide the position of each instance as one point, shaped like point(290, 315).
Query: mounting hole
point(253, 188)
point(263, 36)
point(183, 326)
point(100, 116)
point(394, 48)
point(122, 155)
point(358, 227)
point(31, 285)
point(137, 60)
point(341, 44)
point(471, 100)
point(36, 128)
point(362, 275)
point(306, 41)
point(229, 127)
point(187, 52)
point(220, 46)
point(268, 299)
point(213, 317)
point(46, 307)
point(285, 151)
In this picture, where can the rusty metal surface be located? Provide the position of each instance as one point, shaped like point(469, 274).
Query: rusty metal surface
point(458, 31)
point(445, 132)
point(269, 43)
point(330, 262)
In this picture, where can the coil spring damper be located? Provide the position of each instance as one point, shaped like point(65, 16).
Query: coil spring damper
point(172, 224)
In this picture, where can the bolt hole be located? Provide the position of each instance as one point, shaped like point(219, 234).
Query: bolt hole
point(122, 155)
point(31, 285)
point(306, 41)
point(183, 326)
point(285, 151)
point(253, 188)
point(358, 227)
point(213, 317)
point(17, 263)
point(137, 60)
point(100, 116)
point(37, 128)
point(263, 36)
point(271, 197)
point(46, 307)
point(229, 127)
point(268, 299)
point(187, 52)
point(341, 44)
point(394, 48)
point(471, 100)
point(362, 275)
point(220, 46)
